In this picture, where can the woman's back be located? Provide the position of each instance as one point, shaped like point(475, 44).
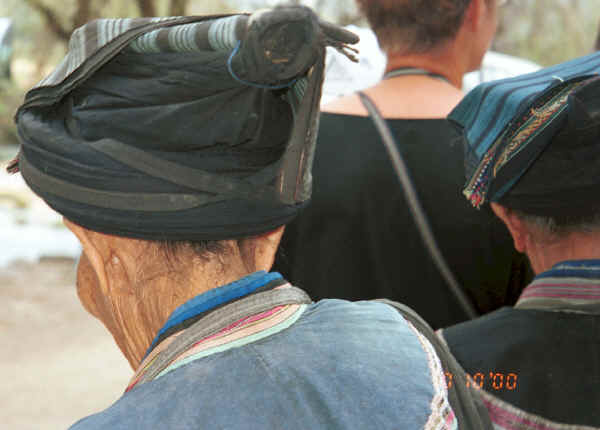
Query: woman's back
point(357, 239)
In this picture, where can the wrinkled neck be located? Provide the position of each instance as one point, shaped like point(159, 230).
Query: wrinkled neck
point(543, 255)
point(135, 310)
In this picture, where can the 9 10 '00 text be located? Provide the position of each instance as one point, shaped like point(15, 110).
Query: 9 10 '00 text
point(492, 380)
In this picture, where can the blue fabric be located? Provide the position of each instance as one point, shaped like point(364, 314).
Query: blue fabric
point(587, 269)
point(342, 365)
point(486, 111)
point(213, 298)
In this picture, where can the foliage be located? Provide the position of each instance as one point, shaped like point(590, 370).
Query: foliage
point(11, 97)
point(548, 31)
point(82, 11)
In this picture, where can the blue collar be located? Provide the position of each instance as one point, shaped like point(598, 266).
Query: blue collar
point(589, 269)
point(570, 285)
point(216, 297)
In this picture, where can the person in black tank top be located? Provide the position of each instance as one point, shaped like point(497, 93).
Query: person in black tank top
point(358, 240)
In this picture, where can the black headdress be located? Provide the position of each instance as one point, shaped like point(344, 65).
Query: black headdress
point(189, 128)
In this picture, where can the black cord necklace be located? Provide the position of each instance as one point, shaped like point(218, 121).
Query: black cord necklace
point(410, 71)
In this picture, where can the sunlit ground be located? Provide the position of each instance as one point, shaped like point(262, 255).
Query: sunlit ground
point(59, 363)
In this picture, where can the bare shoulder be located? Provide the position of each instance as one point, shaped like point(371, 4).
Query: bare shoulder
point(450, 98)
point(406, 99)
point(347, 105)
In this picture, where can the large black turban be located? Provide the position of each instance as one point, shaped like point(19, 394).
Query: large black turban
point(533, 141)
point(189, 128)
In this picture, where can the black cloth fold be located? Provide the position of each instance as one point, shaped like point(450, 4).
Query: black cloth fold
point(197, 131)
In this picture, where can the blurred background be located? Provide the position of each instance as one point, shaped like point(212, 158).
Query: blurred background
point(59, 363)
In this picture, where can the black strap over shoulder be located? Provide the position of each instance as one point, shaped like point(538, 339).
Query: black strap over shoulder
point(466, 403)
point(415, 207)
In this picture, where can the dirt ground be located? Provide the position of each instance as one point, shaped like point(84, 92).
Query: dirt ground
point(59, 363)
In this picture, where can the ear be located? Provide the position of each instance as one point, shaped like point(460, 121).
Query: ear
point(517, 228)
point(474, 14)
point(258, 252)
point(91, 248)
point(86, 282)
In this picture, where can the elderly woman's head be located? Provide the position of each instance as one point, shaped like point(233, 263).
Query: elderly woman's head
point(537, 162)
point(417, 26)
point(176, 152)
point(132, 285)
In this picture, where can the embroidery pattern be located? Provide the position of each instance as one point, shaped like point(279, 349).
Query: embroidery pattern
point(514, 140)
point(442, 416)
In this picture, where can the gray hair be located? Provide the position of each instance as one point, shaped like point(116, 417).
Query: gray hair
point(554, 227)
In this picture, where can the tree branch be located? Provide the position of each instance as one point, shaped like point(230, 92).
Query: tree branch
point(178, 7)
point(83, 13)
point(147, 8)
point(51, 19)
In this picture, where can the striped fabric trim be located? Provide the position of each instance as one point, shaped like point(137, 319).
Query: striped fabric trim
point(218, 297)
point(246, 330)
point(149, 360)
point(486, 110)
point(107, 30)
point(146, 43)
point(269, 328)
point(561, 286)
point(577, 267)
point(299, 88)
point(505, 416)
point(442, 416)
point(237, 330)
point(89, 37)
point(221, 34)
point(296, 93)
point(183, 39)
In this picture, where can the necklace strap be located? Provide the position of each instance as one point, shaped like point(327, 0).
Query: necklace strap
point(412, 71)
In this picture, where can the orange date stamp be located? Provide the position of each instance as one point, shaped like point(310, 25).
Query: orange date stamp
point(490, 380)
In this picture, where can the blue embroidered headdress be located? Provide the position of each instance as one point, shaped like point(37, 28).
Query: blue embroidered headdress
point(507, 124)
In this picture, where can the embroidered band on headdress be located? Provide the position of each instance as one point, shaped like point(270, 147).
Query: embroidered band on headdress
point(521, 133)
point(507, 124)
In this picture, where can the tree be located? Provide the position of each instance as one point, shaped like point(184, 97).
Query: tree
point(597, 44)
point(87, 10)
point(549, 31)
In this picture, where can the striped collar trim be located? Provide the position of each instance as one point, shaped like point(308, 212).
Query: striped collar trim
point(213, 299)
point(235, 324)
point(505, 416)
point(567, 284)
point(244, 331)
point(263, 326)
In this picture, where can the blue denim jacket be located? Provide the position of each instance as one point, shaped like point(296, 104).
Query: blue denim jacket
point(341, 365)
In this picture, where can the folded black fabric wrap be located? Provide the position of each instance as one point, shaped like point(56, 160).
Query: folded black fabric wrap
point(190, 128)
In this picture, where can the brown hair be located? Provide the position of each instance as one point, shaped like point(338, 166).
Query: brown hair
point(413, 26)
